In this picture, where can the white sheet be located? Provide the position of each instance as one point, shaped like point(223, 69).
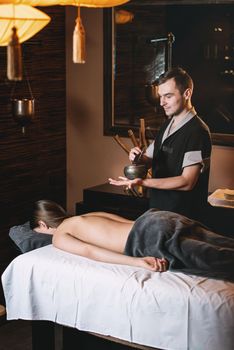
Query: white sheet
point(164, 310)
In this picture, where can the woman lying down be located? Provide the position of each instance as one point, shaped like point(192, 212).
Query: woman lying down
point(157, 240)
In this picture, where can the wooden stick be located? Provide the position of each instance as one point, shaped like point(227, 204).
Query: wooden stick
point(140, 136)
point(133, 138)
point(149, 174)
point(142, 133)
point(122, 145)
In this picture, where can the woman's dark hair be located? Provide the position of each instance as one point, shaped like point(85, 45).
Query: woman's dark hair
point(48, 211)
point(182, 78)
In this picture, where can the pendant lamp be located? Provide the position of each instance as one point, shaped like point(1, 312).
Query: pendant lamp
point(17, 24)
point(23, 106)
point(79, 32)
point(28, 21)
point(81, 3)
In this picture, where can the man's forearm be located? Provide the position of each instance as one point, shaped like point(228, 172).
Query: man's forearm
point(168, 183)
point(184, 182)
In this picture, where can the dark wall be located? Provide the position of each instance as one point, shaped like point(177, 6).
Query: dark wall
point(204, 49)
point(33, 166)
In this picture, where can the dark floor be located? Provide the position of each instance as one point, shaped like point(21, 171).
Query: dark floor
point(17, 335)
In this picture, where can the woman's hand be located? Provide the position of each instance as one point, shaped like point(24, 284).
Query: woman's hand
point(153, 264)
point(123, 181)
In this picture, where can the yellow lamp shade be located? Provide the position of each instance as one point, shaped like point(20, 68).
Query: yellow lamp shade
point(82, 3)
point(26, 19)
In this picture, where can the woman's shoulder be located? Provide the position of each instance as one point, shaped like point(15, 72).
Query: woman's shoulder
point(69, 221)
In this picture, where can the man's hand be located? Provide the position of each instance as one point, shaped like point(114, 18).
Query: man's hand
point(123, 181)
point(133, 153)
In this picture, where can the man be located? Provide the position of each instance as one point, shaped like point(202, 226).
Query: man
point(180, 154)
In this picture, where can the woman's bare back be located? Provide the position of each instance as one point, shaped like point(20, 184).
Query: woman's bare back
point(106, 231)
point(102, 237)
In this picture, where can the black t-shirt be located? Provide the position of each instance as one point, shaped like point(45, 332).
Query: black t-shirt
point(168, 161)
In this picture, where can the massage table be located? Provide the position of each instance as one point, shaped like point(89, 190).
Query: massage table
point(134, 306)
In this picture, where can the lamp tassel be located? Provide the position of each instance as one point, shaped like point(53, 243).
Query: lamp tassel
point(79, 41)
point(14, 58)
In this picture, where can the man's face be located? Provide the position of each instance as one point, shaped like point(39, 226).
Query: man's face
point(171, 99)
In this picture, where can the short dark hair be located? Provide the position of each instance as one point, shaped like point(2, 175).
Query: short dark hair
point(48, 211)
point(182, 78)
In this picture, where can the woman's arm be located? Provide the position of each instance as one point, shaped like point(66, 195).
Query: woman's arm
point(67, 242)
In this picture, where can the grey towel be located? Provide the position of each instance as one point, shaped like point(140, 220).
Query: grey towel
point(189, 246)
point(27, 239)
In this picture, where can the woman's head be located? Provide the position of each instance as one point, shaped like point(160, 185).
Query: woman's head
point(47, 212)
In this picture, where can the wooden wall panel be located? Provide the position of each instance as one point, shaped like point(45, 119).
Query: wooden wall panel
point(33, 166)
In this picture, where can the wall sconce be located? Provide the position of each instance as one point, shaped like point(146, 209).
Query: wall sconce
point(123, 17)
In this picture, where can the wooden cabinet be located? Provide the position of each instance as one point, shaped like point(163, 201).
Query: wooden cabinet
point(112, 199)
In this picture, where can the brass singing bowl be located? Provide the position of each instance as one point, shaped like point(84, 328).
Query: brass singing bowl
point(134, 171)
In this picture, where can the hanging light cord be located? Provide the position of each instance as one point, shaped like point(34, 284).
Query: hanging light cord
point(13, 10)
point(28, 84)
